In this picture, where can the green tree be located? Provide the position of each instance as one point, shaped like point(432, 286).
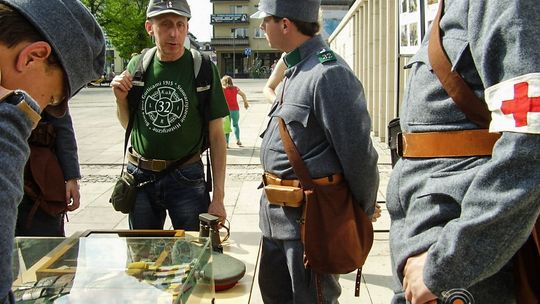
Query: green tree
point(123, 21)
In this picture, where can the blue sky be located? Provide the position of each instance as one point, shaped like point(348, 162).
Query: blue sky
point(199, 24)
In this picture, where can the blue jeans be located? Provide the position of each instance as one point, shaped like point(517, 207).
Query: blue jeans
point(180, 192)
point(284, 279)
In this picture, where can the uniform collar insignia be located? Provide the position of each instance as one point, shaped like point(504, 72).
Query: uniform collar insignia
point(326, 55)
point(293, 58)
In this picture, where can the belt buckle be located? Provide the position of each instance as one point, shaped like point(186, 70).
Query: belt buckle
point(399, 144)
point(158, 165)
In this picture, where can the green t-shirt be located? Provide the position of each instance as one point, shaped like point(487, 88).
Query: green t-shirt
point(167, 123)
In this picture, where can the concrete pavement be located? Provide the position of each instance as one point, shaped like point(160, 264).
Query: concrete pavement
point(100, 139)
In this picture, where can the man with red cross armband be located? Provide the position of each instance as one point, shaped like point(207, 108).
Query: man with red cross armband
point(465, 195)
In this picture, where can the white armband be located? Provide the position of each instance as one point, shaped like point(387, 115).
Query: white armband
point(515, 104)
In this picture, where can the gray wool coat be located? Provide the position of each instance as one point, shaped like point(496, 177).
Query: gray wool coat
point(324, 109)
point(15, 129)
point(470, 213)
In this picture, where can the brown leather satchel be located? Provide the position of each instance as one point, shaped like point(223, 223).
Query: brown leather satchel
point(43, 177)
point(336, 232)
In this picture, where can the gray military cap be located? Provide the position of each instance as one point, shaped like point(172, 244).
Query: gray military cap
point(159, 7)
point(74, 35)
point(300, 10)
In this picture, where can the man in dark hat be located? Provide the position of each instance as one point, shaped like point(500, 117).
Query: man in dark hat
point(168, 125)
point(40, 69)
point(320, 101)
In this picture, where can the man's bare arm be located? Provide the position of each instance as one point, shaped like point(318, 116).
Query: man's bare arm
point(218, 156)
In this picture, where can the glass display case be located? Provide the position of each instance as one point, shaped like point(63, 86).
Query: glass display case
point(113, 267)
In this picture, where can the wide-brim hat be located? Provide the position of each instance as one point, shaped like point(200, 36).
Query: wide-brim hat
point(160, 7)
point(80, 48)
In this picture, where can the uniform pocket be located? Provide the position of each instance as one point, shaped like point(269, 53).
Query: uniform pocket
point(421, 57)
point(427, 104)
point(294, 113)
point(455, 49)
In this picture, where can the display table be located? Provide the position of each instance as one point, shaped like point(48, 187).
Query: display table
point(114, 267)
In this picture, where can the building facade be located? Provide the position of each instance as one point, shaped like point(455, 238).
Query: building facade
point(240, 46)
point(377, 38)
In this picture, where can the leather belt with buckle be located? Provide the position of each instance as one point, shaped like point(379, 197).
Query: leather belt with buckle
point(463, 143)
point(271, 179)
point(156, 165)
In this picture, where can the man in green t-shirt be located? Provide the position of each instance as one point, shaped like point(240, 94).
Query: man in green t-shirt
point(168, 126)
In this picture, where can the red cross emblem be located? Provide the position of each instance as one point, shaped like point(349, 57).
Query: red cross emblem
point(521, 104)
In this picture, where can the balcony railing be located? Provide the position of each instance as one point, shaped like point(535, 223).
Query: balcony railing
point(217, 42)
point(229, 18)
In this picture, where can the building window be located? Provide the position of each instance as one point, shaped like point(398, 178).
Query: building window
point(259, 33)
point(237, 9)
point(239, 33)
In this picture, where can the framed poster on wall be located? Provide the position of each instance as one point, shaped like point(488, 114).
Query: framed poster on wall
point(410, 21)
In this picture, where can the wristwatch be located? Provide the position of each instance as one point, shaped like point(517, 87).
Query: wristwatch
point(18, 99)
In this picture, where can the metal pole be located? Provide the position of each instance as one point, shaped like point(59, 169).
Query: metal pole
point(233, 42)
point(233, 53)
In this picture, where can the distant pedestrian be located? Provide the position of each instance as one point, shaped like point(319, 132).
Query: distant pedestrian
point(231, 91)
point(273, 66)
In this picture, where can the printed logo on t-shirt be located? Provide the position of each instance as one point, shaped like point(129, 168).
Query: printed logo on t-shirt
point(165, 107)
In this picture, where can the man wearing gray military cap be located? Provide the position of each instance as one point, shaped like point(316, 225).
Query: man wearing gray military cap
point(40, 68)
point(321, 102)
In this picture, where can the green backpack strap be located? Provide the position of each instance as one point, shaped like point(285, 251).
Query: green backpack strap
point(135, 94)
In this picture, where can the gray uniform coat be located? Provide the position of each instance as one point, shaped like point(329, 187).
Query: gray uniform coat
point(66, 145)
point(15, 129)
point(471, 213)
point(324, 109)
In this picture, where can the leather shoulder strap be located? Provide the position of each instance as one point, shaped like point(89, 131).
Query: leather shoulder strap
point(474, 108)
point(296, 161)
